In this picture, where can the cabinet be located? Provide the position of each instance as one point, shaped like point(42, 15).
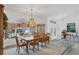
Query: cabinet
point(41, 28)
point(1, 29)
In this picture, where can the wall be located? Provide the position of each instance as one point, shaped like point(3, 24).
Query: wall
point(61, 21)
point(15, 25)
point(61, 24)
point(18, 17)
point(15, 18)
point(51, 27)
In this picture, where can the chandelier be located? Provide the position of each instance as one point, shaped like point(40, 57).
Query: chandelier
point(31, 22)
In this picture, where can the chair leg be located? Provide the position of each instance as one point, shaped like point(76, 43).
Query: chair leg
point(38, 46)
point(18, 49)
point(48, 42)
point(33, 48)
point(27, 49)
point(29, 46)
point(23, 47)
point(42, 44)
point(45, 43)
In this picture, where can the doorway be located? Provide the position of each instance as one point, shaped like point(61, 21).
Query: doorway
point(53, 29)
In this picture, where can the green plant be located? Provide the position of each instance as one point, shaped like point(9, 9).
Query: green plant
point(5, 23)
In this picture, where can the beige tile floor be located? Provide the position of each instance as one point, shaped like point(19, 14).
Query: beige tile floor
point(56, 47)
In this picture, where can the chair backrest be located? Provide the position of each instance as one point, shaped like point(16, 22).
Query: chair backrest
point(48, 34)
point(17, 41)
point(35, 40)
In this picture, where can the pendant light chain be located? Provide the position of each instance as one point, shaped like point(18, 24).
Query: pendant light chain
point(31, 22)
point(31, 12)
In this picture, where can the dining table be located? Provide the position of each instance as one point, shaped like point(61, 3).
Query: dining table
point(27, 39)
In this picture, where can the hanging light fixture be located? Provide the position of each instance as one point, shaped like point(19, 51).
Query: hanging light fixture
point(31, 22)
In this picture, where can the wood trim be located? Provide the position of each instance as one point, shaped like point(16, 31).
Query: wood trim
point(40, 28)
point(1, 29)
point(1, 5)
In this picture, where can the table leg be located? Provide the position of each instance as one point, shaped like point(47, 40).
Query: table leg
point(27, 47)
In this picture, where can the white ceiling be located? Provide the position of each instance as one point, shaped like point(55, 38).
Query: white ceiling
point(42, 10)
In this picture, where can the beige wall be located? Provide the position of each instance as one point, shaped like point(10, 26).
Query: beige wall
point(15, 25)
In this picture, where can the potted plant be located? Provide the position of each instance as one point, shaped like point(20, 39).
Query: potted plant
point(5, 23)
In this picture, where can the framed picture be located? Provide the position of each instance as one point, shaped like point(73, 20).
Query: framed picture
point(71, 27)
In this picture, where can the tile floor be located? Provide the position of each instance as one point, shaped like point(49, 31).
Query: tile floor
point(74, 50)
point(56, 47)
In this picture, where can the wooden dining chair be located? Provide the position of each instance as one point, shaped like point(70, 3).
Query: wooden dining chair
point(44, 39)
point(41, 39)
point(48, 37)
point(20, 44)
point(34, 42)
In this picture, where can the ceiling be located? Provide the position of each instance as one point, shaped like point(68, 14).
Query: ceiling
point(42, 10)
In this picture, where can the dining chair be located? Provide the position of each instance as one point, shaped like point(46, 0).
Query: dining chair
point(20, 44)
point(41, 39)
point(34, 43)
point(44, 39)
point(48, 37)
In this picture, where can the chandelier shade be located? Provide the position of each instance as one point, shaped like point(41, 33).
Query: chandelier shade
point(31, 22)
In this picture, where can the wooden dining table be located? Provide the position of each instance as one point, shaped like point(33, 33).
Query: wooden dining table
point(27, 39)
